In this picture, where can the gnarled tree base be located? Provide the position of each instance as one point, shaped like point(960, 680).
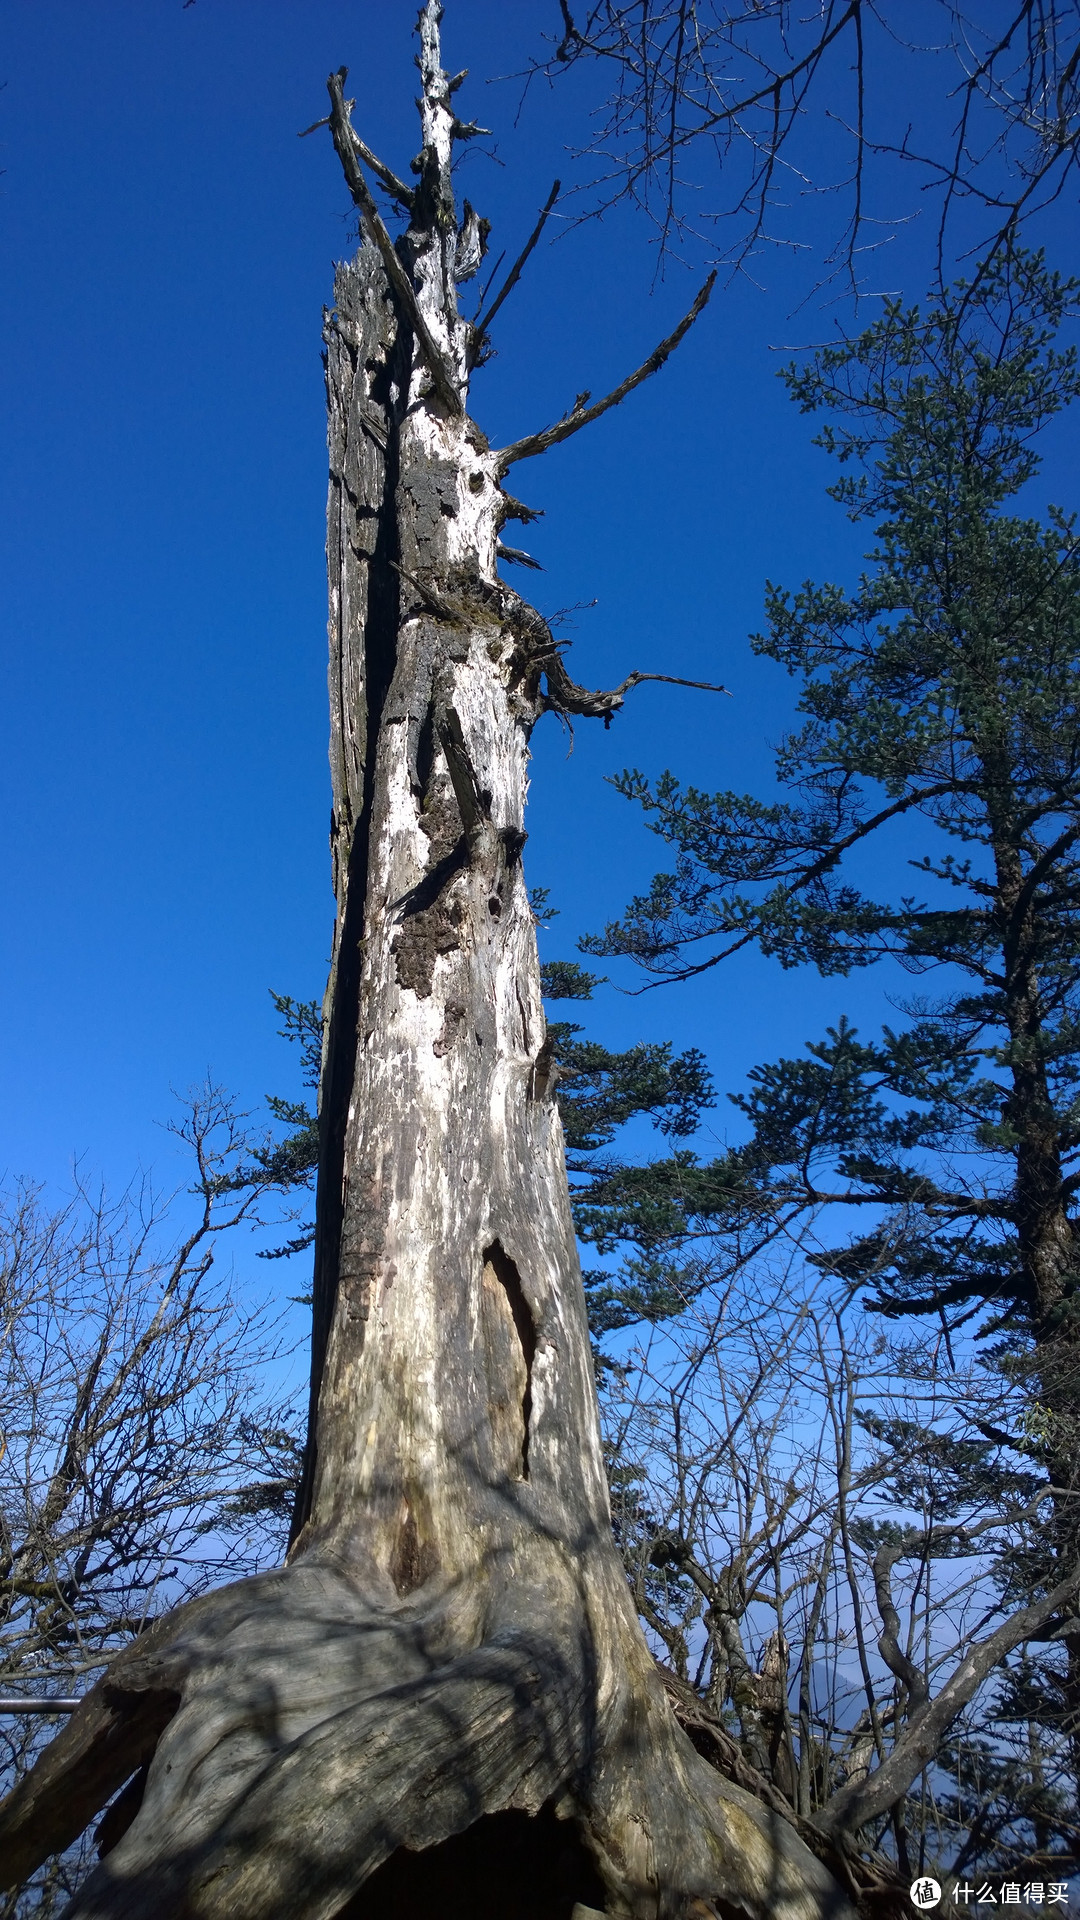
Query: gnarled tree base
point(328, 1754)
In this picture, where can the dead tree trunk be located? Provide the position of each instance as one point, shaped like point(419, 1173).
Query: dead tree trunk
point(444, 1701)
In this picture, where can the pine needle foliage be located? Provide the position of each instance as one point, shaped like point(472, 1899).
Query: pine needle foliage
point(941, 698)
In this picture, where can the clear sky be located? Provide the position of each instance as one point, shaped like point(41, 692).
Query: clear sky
point(167, 246)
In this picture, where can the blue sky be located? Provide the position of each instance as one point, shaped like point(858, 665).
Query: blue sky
point(168, 244)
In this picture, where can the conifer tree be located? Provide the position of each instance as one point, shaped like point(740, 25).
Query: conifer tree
point(941, 704)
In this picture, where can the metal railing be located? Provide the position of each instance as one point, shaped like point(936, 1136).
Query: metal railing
point(39, 1703)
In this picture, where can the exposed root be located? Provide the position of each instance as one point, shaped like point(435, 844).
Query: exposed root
point(302, 1736)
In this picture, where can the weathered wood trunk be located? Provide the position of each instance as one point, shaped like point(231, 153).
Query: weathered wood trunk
point(444, 1700)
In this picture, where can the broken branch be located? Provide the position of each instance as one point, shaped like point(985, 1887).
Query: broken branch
point(567, 697)
point(481, 325)
point(378, 167)
point(397, 188)
point(511, 509)
point(583, 416)
point(673, 680)
point(345, 142)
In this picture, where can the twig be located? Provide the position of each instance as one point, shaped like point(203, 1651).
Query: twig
point(673, 680)
point(583, 416)
point(481, 325)
point(346, 144)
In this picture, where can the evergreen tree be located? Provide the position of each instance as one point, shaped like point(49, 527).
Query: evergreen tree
point(941, 700)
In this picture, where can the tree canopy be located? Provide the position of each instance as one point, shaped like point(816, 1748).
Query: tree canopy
point(940, 695)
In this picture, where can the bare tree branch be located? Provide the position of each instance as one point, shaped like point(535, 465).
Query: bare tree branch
point(395, 187)
point(742, 85)
point(582, 415)
point(565, 696)
point(483, 322)
point(346, 145)
point(865, 1800)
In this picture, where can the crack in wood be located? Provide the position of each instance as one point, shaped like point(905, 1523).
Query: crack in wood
point(510, 1344)
point(545, 1071)
point(414, 1559)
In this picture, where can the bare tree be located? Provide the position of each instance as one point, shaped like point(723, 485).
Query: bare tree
point(982, 104)
point(447, 1683)
point(142, 1458)
point(844, 1584)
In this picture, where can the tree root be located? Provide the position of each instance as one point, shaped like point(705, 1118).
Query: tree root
point(300, 1736)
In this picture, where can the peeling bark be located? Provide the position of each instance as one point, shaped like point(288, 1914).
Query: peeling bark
point(452, 1644)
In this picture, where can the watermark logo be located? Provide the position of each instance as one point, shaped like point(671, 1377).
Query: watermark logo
point(925, 1893)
